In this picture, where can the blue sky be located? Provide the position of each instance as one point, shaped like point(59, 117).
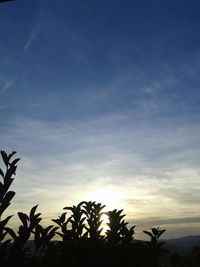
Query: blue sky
point(101, 100)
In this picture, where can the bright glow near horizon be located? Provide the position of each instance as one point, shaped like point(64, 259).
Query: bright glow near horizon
point(109, 197)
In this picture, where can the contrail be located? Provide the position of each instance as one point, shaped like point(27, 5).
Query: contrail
point(34, 32)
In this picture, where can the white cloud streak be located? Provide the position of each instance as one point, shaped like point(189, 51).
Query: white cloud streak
point(156, 168)
point(36, 28)
point(9, 83)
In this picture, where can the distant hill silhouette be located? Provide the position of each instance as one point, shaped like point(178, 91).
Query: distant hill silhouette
point(182, 245)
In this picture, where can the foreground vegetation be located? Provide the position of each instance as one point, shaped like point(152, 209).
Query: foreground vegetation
point(81, 241)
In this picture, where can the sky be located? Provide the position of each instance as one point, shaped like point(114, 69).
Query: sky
point(101, 101)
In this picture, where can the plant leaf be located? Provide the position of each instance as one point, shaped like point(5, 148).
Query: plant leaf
point(4, 157)
point(1, 173)
point(10, 232)
point(5, 221)
point(32, 212)
point(14, 162)
point(148, 233)
point(9, 196)
point(155, 231)
point(24, 218)
point(161, 232)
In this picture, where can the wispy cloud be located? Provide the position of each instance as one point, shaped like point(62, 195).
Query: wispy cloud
point(36, 28)
point(9, 83)
point(71, 160)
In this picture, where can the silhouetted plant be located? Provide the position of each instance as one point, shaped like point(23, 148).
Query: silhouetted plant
point(44, 248)
point(7, 175)
point(63, 223)
point(127, 233)
point(43, 236)
point(77, 221)
point(29, 223)
point(118, 230)
point(93, 212)
point(155, 246)
point(155, 235)
point(6, 196)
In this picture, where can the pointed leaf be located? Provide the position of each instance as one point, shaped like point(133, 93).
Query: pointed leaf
point(10, 232)
point(32, 212)
point(37, 215)
point(161, 232)
point(5, 221)
point(57, 221)
point(81, 203)
point(11, 154)
point(3, 207)
point(9, 196)
point(48, 228)
point(14, 162)
point(62, 217)
point(132, 228)
point(8, 175)
point(1, 173)
point(148, 233)
point(60, 234)
point(4, 157)
point(52, 233)
point(69, 208)
point(24, 218)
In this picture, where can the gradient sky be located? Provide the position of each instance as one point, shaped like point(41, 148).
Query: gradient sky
point(101, 100)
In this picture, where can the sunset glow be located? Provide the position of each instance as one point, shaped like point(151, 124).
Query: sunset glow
point(110, 198)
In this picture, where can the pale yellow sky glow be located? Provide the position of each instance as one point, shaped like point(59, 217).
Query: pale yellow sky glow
point(152, 179)
point(141, 198)
point(110, 197)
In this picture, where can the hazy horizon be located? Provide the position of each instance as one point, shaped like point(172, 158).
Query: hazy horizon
point(100, 99)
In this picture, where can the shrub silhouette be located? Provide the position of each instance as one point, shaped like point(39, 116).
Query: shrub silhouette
point(93, 212)
point(118, 230)
point(77, 222)
point(155, 247)
point(29, 223)
point(80, 230)
point(6, 197)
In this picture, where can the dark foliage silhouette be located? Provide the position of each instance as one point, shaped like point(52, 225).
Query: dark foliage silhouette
point(76, 238)
point(5, 197)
